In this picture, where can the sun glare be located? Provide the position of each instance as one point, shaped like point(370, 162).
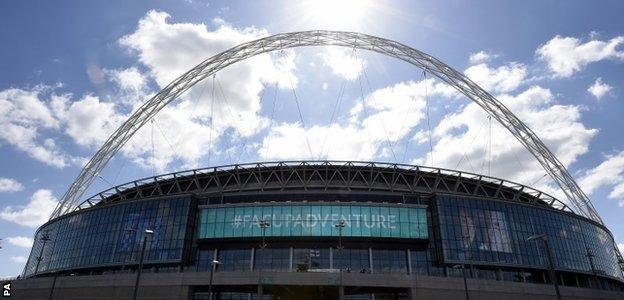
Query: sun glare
point(336, 13)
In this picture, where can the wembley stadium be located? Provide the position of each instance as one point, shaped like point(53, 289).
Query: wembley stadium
point(323, 229)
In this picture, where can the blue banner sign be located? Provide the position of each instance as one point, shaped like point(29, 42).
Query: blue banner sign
point(386, 221)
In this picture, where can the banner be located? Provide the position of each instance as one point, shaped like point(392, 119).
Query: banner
point(313, 220)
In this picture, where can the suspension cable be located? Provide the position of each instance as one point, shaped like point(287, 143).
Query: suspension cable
point(333, 117)
point(305, 133)
point(194, 109)
point(408, 112)
point(123, 165)
point(212, 100)
point(173, 150)
point(103, 179)
point(225, 140)
point(538, 180)
point(275, 97)
point(428, 118)
point(490, 146)
point(227, 106)
point(470, 147)
point(370, 142)
point(153, 158)
point(485, 165)
point(383, 124)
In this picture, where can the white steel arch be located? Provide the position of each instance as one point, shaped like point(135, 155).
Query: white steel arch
point(557, 171)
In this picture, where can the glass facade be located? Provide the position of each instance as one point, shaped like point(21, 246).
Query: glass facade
point(269, 259)
point(311, 259)
point(234, 260)
point(493, 232)
point(390, 261)
point(315, 220)
point(307, 260)
point(352, 260)
point(203, 261)
point(422, 238)
point(112, 235)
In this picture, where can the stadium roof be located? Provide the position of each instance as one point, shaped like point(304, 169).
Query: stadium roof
point(321, 176)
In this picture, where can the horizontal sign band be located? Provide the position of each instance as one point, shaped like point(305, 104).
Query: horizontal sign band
point(313, 220)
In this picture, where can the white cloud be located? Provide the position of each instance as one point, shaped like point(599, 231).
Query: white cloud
point(421, 137)
point(10, 185)
point(498, 80)
point(621, 247)
point(371, 130)
point(567, 55)
point(20, 241)
point(599, 89)
point(128, 79)
point(609, 173)
point(480, 57)
point(181, 130)
point(24, 115)
point(35, 213)
point(463, 137)
point(343, 62)
point(19, 259)
point(90, 121)
point(288, 141)
point(169, 49)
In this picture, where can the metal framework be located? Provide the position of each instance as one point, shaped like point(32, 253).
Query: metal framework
point(323, 176)
point(577, 198)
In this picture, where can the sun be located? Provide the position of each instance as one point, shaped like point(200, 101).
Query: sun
point(336, 13)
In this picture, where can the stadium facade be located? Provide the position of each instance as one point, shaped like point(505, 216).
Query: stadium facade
point(321, 229)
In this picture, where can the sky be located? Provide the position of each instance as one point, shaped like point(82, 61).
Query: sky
point(71, 72)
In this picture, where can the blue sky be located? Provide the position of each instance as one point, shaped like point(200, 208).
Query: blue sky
point(72, 71)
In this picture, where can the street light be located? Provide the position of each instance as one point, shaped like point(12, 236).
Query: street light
point(45, 238)
point(214, 264)
point(463, 267)
point(264, 224)
point(544, 239)
point(148, 232)
point(590, 255)
point(53, 285)
point(340, 226)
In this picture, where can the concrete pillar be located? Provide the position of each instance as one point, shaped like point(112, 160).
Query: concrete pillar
point(370, 260)
point(341, 292)
point(411, 294)
point(291, 259)
point(260, 292)
point(186, 293)
point(409, 262)
point(253, 257)
point(331, 257)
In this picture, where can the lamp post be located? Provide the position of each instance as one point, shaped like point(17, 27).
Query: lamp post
point(264, 224)
point(463, 268)
point(340, 226)
point(53, 285)
point(590, 255)
point(214, 264)
point(544, 239)
point(45, 238)
point(148, 233)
